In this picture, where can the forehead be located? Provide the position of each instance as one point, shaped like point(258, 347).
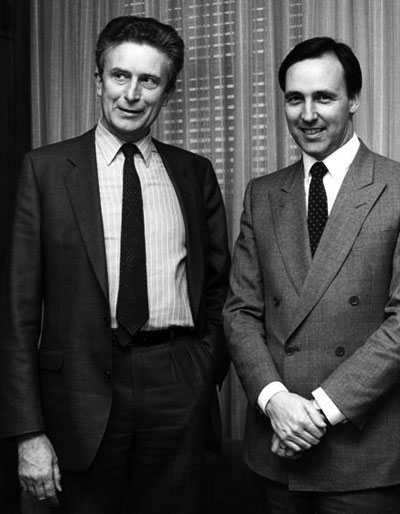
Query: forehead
point(317, 74)
point(136, 57)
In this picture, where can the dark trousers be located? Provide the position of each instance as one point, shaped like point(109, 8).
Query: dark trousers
point(151, 457)
point(279, 500)
point(9, 485)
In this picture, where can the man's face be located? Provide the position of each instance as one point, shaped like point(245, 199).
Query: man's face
point(132, 88)
point(317, 107)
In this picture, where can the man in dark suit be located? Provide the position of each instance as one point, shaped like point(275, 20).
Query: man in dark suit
point(313, 315)
point(118, 270)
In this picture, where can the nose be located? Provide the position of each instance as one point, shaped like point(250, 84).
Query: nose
point(132, 91)
point(309, 113)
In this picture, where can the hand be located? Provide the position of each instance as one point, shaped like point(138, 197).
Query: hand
point(38, 469)
point(283, 451)
point(296, 422)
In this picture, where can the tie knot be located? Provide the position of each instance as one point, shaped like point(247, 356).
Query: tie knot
point(318, 170)
point(129, 150)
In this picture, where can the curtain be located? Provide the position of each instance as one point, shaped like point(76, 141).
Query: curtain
point(64, 34)
point(228, 105)
point(371, 28)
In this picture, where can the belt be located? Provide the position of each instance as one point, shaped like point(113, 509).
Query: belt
point(152, 337)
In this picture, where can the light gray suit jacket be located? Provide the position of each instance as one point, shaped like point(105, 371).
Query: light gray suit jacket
point(333, 321)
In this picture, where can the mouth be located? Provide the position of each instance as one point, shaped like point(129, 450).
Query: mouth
point(312, 132)
point(130, 112)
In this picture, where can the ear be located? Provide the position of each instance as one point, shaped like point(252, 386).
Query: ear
point(354, 103)
point(99, 83)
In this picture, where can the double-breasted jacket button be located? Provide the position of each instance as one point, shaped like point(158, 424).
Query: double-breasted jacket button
point(276, 301)
point(107, 373)
point(340, 351)
point(290, 350)
point(354, 301)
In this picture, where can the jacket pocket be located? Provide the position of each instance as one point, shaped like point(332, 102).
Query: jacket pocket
point(51, 358)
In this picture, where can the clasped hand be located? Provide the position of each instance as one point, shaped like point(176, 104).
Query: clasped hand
point(297, 424)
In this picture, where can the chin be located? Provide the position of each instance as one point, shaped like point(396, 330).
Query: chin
point(317, 153)
point(126, 131)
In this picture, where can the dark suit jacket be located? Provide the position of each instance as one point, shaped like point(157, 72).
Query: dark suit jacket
point(333, 321)
point(58, 292)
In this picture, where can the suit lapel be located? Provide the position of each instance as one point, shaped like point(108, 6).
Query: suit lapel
point(83, 188)
point(356, 198)
point(177, 169)
point(290, 225)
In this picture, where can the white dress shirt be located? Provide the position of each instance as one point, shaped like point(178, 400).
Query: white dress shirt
point(338, 164)
point(164, 230)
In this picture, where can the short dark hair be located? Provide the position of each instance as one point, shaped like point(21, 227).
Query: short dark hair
point(318, 46)
point(142, 30)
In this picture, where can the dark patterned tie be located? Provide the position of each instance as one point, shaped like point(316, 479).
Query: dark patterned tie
point(317, 205)
point(132, 303)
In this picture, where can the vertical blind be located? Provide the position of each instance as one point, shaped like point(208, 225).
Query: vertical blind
point(228, 105)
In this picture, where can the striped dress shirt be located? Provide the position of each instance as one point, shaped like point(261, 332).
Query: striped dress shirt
point(164, 230)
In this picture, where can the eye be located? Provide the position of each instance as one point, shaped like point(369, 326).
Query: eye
point(323, 98)
point(293, 99)
point(119, 77)
point(149, 82)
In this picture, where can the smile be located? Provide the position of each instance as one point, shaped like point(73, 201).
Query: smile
point(312, 132)
point(130, 112)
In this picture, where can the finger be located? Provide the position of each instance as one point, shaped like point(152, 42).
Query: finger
point(317, 418)
point(281, 453)
point(279, 450)
point(297, 445)
point(275, 449)
point(313, 438)
point(287, 436)
point(50, 485)
point(39, 491)
point(275, 444)
point(306, 439)
point(23, 484)
point(31, 487)
point(309, 432)
point(285, 452)
point(289, 453)
point(57, 476)
point(50, 490)
point(298, 439)
point(302, 432)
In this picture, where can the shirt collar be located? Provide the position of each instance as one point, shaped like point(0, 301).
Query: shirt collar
point(109, 145)
point(337, 162)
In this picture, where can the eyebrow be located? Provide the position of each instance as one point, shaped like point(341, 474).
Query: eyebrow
point(328, 92)
point(118, 68)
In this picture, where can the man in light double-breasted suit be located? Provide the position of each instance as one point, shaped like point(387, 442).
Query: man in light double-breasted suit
point(112, 411)
point(313, 314)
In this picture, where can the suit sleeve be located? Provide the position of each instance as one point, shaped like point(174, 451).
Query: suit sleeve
point(216, 271)
point(373, 370)
point(244, 312)
point(20, 408)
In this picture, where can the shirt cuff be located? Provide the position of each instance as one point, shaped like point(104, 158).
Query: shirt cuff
point(332, 413)
point(268, 392)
